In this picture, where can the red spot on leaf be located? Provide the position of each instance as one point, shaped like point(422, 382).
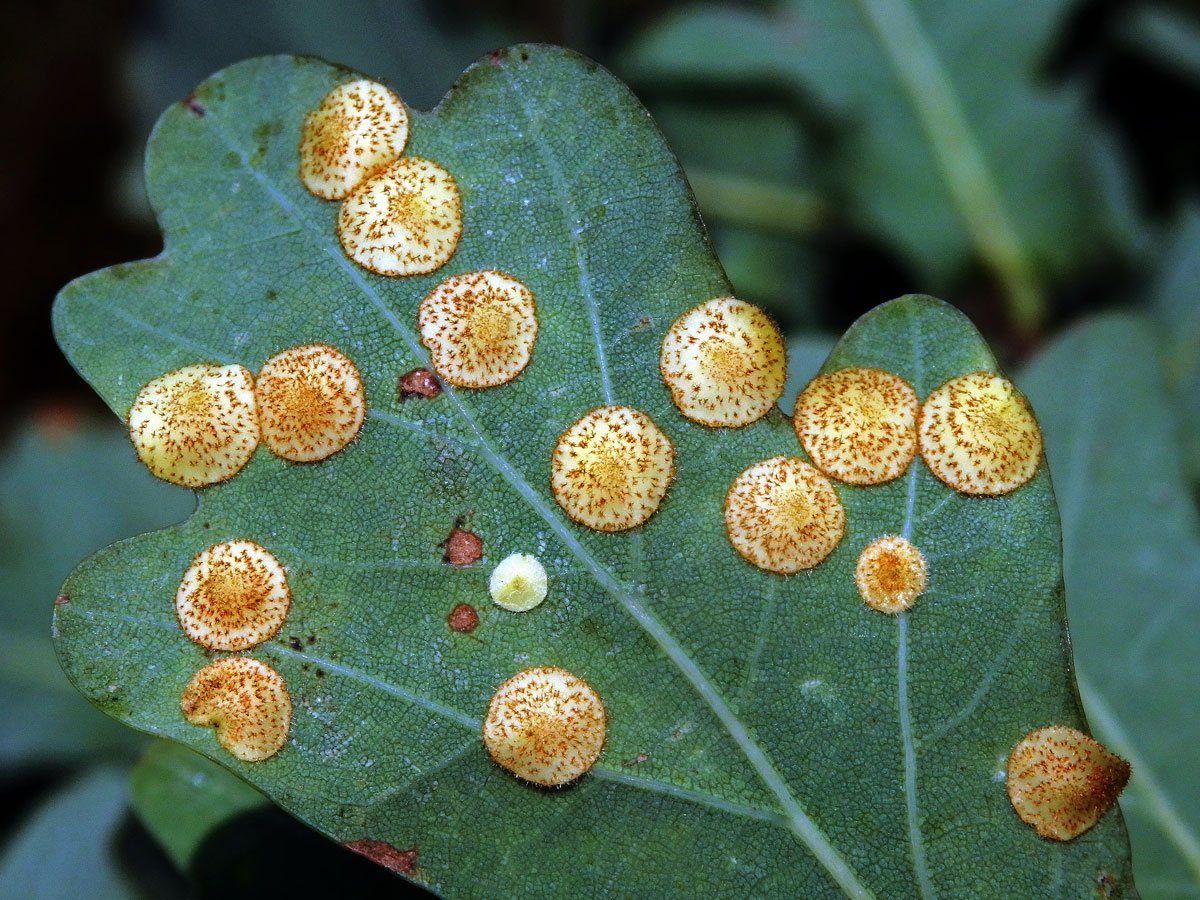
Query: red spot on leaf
point(402, 862)
point(194, 105)
point(418, 383)
point(62, 600)
point(463, 618)
point(462, 548)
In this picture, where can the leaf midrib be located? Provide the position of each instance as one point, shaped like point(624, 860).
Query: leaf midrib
point(799, 823)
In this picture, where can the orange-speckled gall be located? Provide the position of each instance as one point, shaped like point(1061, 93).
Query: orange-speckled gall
point(1061, 781)
point(890, 574)
point(358, 129)
point(310, 402)
point(545, 725)
point(724, 363)
point(234, 595)
point(858, 424)
point(610, 470)
point(479, 328)
point(245, 701)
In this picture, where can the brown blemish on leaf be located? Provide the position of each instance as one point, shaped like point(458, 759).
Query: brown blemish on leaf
point(406, 220)
point(462, 548)
point(890, 574)
point(294, 643)
point(479, 328)
point(635, 760)
point(611, 468)
point(858, 424)
point(234, 595)
point(62, 600)
point(196, 425)
point(783, 515)
point(245, 701)
point(979, 436)
point(1061, 781)
point(545, 725)
point(310, 402)
point(359, 128)
point(417, 383)
point(724, 363)
point(463, 618)
point(194, 106)
point(402, 862)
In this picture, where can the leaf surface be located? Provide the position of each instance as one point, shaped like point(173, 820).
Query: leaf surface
point(767, 736)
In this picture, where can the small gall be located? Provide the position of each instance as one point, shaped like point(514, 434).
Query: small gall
point(358, 129)
point(404, 221)
point(545, 726)
point(890, 574)
point(233, 596)
point(417, 383)
point(518, 583)
point(245, 701)
point(724, 363)
point(1061, 781)
point(783, 515)
point(611, 469)
point(479, 328)
point(463, 618)
point(979, 436)
point(310, 402)
point(859, 424)
point(196, 425)
point(462, 548)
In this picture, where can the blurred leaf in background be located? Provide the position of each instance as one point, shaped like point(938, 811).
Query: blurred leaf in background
point(947, 142)
point(1131, 547)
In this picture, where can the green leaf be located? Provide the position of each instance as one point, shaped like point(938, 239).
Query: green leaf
point(181, 797)
point(65, 489)
point(952, 147)
point(767, 736)
point(63, 851)
point(1131, 542)
point(1175, 297)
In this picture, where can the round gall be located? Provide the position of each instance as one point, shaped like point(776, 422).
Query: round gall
point(724, 363)
point(545, 726)
point(358, 129)
point(611, 469)
point(1061, 781)
point(890, 574)
point(858, 424)
point(979, 436)
point(233, 596)
point(518, 583)
point(245, 701)
point(479, 328)
point(196, 425)
point(310, 402)
point(406, 220)
point(783, 515)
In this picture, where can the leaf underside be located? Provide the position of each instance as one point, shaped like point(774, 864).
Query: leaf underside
point(768, 736)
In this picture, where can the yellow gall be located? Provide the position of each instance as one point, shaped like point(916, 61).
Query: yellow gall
point(979, 436)
point(1061, 781)
point(518, 583)
point(479, 328)
point(783, 515)
point(406, 220)
point(545, 725)
point(196, 425)
point(233, 596)
point(890, 574)
point(310, 402)
point(858, 424)
point(724, 363)
point(611, 468)
point(358, 129)
point(245, 701)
